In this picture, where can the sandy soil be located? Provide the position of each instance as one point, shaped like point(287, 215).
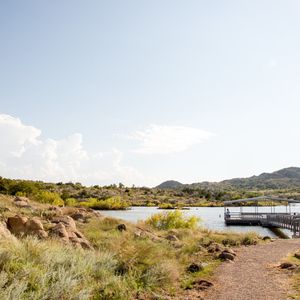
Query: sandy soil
point(253, 274)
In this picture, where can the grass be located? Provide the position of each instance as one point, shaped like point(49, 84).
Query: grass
point(295, 278)
point(139, 261)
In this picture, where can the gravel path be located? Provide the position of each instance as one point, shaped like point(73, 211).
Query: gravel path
point(252, 275)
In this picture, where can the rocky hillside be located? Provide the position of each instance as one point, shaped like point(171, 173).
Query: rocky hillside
point(170, 184)
point(282, 179)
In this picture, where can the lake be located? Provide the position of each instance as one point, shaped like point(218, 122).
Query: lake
point(212, 217)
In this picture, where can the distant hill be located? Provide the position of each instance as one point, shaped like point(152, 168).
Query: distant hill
point(170, 184)
point(282, 179)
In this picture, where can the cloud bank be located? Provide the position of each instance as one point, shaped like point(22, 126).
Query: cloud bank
point(24, 155)
point(157, 139)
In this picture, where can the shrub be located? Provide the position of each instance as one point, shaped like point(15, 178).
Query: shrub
point(110, 203)
point(166, 206)
point(172, 220)
point(48, 197)
point(71, 202)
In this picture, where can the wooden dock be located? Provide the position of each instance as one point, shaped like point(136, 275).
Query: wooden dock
point(287, 220)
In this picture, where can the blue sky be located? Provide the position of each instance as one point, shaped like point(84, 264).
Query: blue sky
point(145, 91)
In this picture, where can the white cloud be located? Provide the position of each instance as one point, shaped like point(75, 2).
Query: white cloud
point(157, 139)
point(23, 154)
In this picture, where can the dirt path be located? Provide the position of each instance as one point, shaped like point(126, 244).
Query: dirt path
point(252, 275)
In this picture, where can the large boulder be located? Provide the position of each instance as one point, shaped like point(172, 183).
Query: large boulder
point(21, 226)
point(22, 202)
point(16, 225)
point(68, 233)
point(4, 232)
point(34, 226)
point(59, 230)
point(66, 220)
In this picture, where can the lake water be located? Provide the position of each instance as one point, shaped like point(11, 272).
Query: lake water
point(212, 217)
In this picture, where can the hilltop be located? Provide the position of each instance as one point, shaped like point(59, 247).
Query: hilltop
point(170, 184)
point(282, 179)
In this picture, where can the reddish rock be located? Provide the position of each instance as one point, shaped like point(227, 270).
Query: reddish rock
point(59, 230)
point(66, 220)
point(21, 202)
point(16, 225)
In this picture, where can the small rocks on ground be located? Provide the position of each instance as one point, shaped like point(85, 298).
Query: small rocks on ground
point(195, 267)
point(22, 202)
point(227, 255)
point(172, 238)
point(122, 227)
point(200, 285)
point(287, 265)
point(297, 255)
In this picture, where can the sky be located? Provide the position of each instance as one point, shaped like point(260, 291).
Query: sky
point(140, 92)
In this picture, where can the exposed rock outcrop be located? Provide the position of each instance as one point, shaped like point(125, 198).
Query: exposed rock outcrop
point(22, 202)
point(65, 228)
point(21, 226)
point(4, 232)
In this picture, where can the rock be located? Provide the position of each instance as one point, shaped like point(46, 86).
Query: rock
point(287, 265)
point(214, 248)
point(81, 216)
point(201, 285)
point(66, 220)
point(172, 238)
point(59, 230)
point(227, 250)
point(122, 227)
point(16, 225)
point(56, 209)
point(19, 226)
point(22, 202)
point(4, 232)
point(69, 234)
point(23, 199)
point(266, 238)
point(34, 224)
point(195, 267)
point(42, 234)
point(297, 255)
point(226, 255)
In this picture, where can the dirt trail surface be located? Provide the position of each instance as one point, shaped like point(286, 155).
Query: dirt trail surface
point(252, 275)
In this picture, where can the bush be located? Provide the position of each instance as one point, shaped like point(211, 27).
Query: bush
point(172, 220)
point(110, 203)
point(49, 197)
point(166, 206)
point(71, 202)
